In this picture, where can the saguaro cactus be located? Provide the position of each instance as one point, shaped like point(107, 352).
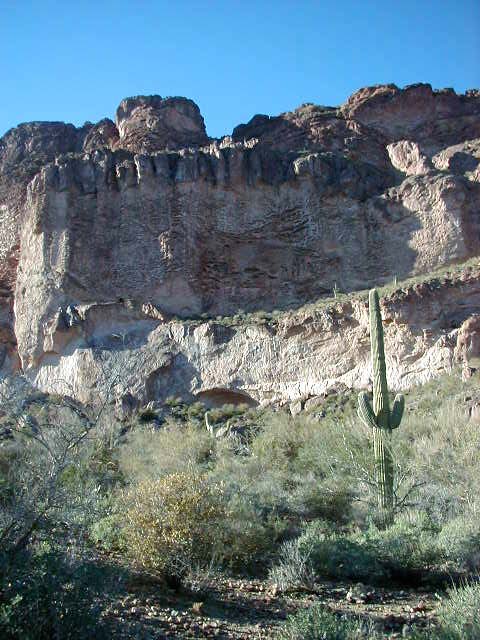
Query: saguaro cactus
point(379, 417)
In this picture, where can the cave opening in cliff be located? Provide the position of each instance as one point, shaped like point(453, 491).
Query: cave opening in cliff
point(217, 397)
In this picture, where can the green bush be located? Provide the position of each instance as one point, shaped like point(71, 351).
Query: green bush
point(406, 547)
point(152, 453)
point(147, 415)
point(293, 569)
point(311, 463)
point(319, 623)
point(173, 521)
point(249, 533)
point(47, 595)
point(459, 542)
point(346, 558)
point(106, 532)
point(458, 616)
point(321, 553)
point(279, 441)
point(375, 556)
point(438, 449)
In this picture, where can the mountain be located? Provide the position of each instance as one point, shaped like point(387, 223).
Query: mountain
point(144, 252)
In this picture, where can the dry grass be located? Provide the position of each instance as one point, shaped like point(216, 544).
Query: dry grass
point(151, 453)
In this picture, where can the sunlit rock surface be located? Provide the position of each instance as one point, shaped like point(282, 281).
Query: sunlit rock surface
point(120, 243)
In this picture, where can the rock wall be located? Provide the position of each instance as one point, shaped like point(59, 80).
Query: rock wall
point(300, 355)
point(111, 231)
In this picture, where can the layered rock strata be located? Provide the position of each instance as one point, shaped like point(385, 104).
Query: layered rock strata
point(115, 237)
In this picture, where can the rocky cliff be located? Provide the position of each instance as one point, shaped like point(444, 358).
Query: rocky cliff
point(120, 243)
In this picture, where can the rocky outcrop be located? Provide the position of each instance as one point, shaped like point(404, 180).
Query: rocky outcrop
point(436, 118)
point(294, 357)
point(118, 237)
point(407, 157)
point(460, 159)
point(149, 123)
point(467, 349)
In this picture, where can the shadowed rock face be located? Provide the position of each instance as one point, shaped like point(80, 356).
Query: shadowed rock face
point(416, 113)
point(128, 223)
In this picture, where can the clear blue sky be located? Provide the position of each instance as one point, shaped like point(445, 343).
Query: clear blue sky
point(74, 60)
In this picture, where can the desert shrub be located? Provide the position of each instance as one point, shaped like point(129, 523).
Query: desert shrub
point(50, 484)
point(287, 470)
point(257, 506)
point(375, 556)
point(459, 542)
point(346, 558)
point(152, 453)
point(228, 411)
point(46, 594)
point(245, 480)
point(294, 568)
point(249, 533)
point(196, 411)
point(51, 492)
point(457, 617)
point(278, 442)
point(336, 455)
point(406, 546)
point(173, 521)
point(178, 408)
point(327, 497)
point(106, 530)
point(173, 401)
point(147, 415)
point(459, 614)
point(314, 461)
point(319, 623)
point(321, 552)
point(437, 447)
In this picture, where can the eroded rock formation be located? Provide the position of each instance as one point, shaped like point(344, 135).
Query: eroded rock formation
point(116, 238)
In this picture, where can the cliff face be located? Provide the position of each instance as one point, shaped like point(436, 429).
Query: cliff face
point(111, 229)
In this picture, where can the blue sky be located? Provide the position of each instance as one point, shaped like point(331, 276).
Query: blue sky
point(75, 60)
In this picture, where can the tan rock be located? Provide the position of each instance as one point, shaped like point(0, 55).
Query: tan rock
point(144, 226)
point(462, 159)
point(468, 341)
point(406, 156)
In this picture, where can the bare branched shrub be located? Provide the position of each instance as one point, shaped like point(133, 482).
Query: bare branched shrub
point(41, 457)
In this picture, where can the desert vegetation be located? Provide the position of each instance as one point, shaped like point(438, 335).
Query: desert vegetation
point(178, 492)
point(291, 501)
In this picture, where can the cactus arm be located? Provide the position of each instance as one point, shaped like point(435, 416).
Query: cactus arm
point(397, 411)
point(365, 411)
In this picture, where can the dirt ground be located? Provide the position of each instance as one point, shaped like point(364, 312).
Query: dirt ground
point(221, 607)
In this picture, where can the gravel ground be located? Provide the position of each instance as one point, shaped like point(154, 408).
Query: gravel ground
point(234, 608)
